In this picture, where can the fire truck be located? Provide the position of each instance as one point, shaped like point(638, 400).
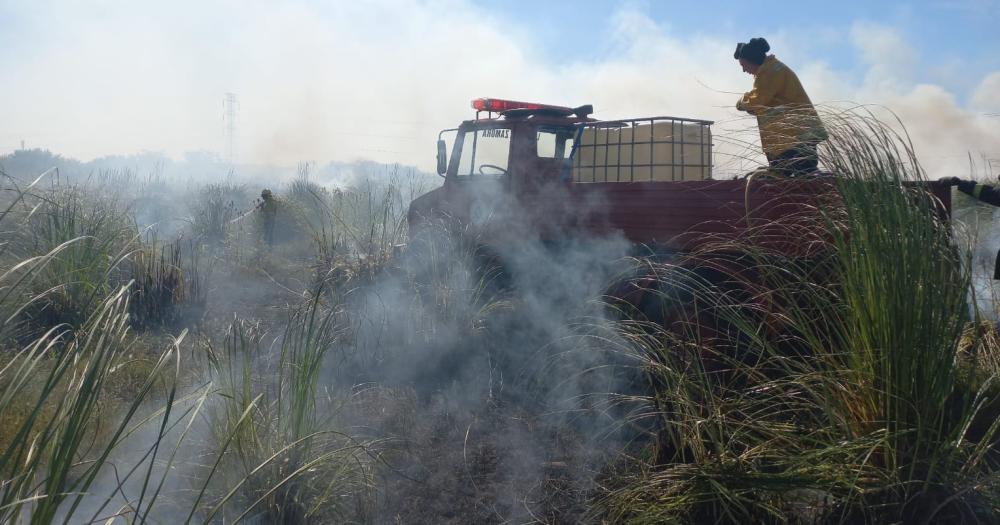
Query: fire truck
point(527, 170)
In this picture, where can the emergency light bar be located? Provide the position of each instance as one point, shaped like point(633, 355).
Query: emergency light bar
point(496, 105)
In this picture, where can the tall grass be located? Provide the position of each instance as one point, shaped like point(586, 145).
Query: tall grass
point(65, 415)
point(838, 392)
point(95, 248)
point(282, 458)
point(160, 287)
point(356, 227)
point(58, 436)
point(213, 210)
point(94, 237)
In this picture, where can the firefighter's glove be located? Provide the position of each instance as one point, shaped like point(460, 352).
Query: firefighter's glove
point(740, 106)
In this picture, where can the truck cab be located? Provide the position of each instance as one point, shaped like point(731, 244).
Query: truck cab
point(518, 152)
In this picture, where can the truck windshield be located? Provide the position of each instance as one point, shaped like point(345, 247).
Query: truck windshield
point(484, 152)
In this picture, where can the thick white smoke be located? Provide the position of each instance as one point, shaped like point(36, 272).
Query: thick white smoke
point(376, 80)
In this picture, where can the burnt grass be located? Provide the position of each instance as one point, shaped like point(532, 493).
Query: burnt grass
point(477, 430)
point(490, 465)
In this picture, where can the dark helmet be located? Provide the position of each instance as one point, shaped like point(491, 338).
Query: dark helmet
point(753, 51)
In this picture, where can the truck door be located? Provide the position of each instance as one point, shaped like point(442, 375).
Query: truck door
point(479, 178)
point(540, 158)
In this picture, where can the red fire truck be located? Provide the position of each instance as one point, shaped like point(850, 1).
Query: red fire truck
point(566, 173)
point(551, 173)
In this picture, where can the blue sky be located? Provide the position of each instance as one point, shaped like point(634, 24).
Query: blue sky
point(376, 79)
point(941, 29)
point(951, 37)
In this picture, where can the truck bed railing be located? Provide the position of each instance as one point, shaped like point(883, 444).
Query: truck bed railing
point(642, 149)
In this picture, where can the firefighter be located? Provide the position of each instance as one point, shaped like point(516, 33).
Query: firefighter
point(790, 128)
point(983, 193)
point(268, 209)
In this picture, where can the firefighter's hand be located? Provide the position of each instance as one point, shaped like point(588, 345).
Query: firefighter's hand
point(740, 106)
point(951, 181)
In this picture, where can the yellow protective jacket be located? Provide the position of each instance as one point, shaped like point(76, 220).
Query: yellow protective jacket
point(785, 115)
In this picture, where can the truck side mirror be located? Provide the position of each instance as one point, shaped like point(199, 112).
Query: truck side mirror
point(442, 158)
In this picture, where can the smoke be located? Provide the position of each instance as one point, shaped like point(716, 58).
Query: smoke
point(378, 79)
point(945, 133)
point(494, 334)
point(985, 98)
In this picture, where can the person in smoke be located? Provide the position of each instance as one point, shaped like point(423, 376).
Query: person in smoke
point(790, 128)
point(983, 193)
point(268, 209)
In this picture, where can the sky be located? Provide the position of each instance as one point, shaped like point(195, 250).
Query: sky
point(345, 80)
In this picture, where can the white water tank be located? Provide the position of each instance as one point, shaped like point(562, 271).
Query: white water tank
point(644, 150)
